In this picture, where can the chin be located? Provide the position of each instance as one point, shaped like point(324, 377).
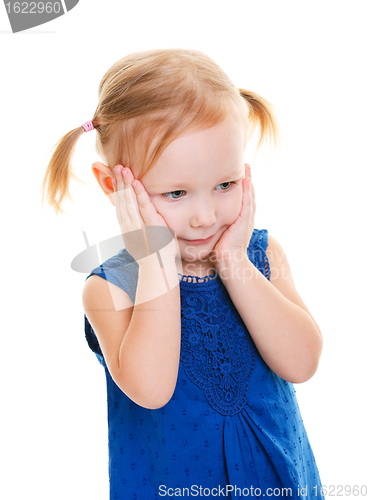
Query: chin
point(194, 255)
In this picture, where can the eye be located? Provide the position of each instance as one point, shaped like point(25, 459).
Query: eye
point(172, 192)
point(222, 184)
point(167, 195)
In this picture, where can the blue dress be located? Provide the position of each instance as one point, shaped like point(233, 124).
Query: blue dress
point(233, 427)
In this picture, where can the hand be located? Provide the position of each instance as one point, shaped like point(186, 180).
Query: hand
point(144, 231)
point(236, 238)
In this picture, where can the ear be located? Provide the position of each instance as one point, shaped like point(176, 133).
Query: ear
point(104, 175)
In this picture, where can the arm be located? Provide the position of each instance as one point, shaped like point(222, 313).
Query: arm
point(283, 329)
point(140, 343)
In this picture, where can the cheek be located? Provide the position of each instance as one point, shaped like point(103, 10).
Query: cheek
point(233, 206)
point(156, 202)
point(163, 209)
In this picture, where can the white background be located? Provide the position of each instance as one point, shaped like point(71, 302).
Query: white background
point(310, 59)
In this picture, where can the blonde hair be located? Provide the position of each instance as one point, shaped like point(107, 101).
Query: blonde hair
point(147, 100)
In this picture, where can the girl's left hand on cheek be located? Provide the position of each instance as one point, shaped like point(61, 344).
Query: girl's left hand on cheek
point(236, 238)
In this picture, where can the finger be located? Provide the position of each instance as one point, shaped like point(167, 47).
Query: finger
point(128, 200)
point(119, 197)
point(117, 200)
point(247, 195)
point(131, 199)
point(253, 202)
point(118, 187)
point(126, 207)
point(147, 210)
point(252, 189)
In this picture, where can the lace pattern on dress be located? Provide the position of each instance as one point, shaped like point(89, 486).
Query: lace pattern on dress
point(217, 351)
point(256, 252)
point(196, 279)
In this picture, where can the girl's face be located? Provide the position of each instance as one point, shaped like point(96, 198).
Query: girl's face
point(196, 186)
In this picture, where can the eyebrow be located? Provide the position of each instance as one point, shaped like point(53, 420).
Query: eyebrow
point(232, 176)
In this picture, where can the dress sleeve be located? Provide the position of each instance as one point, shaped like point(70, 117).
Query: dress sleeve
point(257, 251)
point(121, 270)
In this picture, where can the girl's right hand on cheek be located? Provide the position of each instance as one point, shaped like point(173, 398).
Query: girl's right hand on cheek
point(144, 231)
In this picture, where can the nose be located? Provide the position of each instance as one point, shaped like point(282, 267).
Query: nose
point(203, 214)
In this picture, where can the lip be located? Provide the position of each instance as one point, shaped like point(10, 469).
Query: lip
point(198, 242)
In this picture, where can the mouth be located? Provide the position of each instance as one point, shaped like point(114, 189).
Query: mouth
point(199, 242)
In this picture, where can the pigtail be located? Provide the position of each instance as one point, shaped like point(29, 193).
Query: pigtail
point(262, 113)
point(55, 185)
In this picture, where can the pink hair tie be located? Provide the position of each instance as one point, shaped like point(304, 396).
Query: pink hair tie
point(88, 126)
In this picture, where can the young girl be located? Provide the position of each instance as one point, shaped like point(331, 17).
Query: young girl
point(199, 363)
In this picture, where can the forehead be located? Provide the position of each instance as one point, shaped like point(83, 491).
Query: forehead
point(204, 155)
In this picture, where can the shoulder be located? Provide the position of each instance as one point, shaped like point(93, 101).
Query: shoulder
point(281, 274)
point(280, 270)
point(100, 294)
point(277, 258)
point(107, 289)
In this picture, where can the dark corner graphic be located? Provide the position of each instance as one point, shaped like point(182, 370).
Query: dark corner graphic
point(24, 15)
